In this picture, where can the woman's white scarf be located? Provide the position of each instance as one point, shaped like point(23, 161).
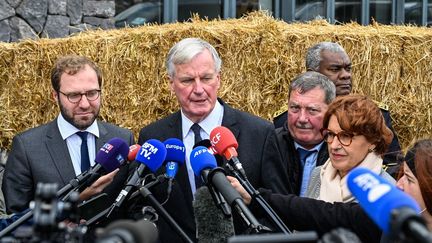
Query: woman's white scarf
point(334, 188)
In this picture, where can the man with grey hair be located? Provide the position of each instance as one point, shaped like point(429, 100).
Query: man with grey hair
point(330, 59)
point(300, 140)
point(193, 67)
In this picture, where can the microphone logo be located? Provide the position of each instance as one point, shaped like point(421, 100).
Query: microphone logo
point(171, 166)
point(200, 151)
point(176, 147)
point(148, 149)
point(215, 139)
point(368, 182)
point(106, 148)
point(120, 158)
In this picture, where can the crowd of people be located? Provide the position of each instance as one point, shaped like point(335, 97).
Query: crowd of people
point(299, 163)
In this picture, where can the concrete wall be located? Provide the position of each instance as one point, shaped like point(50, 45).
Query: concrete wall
point(21, 19)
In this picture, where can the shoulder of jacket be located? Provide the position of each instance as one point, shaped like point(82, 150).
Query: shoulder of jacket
point(381, 105)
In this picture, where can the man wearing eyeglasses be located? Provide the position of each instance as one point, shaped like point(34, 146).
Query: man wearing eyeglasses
point(60, 150)
point(300, 140)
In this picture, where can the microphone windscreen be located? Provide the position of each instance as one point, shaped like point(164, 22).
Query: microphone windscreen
point(112, 154)
point(222, 138)
point(152, 154)
point(142, 231)
point(211, 224)
point(176, 151)
point(378, 197)
point(200, 159)
point(133, 150)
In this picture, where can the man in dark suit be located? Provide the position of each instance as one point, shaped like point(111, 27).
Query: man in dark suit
point(330, 59)
point(51, 153)
point(193, 67)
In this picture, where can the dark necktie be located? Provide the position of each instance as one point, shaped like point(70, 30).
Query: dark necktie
point(196, 130)
point(85, 160)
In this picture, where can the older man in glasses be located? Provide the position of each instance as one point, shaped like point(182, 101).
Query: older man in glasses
point(300, 140)
point(60, 150)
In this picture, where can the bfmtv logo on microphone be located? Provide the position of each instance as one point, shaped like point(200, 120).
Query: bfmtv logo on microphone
point(147, 150)
point(368, 183)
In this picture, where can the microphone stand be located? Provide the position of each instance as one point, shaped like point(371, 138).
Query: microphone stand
point(220, 201)
point(217, 175)
point(16, 224)
point(260, 200)
point(107, 212)
point(145, 192)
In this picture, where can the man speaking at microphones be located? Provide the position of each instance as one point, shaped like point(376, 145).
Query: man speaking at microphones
point(66, 147)
point(193, 67)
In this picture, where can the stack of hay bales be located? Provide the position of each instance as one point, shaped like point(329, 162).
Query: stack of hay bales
point(391, 64)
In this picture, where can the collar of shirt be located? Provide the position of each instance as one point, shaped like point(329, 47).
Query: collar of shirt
point(66, 129)
point(316, 148)
point(213, 120)
point(73, 142)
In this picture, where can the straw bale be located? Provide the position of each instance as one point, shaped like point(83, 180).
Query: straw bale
point(391, 64)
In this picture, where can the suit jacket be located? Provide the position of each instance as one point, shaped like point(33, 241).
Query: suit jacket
point(41, 155)
point(258, 152)
point(291, 157)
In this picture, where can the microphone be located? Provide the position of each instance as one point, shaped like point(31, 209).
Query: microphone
point(151, 155)
point(109, 157)
point(211, 225)
point(175, 157)
point(128, 231)
point(133, 150)
point(204, 164)
point(396, 213)
point(217, 197)
point(224, 143)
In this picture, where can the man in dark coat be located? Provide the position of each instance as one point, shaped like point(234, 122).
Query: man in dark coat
point(300, 139)
point(193, 67)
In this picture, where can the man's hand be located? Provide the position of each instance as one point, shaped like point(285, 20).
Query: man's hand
point(98, 186)
point(243, 193)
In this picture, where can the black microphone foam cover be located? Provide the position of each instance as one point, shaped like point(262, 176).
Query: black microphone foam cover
point(211, 224)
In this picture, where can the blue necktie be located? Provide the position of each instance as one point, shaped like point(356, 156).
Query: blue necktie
point(307, 169)
point(85, 160)
point(196, 130)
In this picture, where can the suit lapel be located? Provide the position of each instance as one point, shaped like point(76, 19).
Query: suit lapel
point(229, 119)
point(59, 153)
point(182, 177)
point(103, 136)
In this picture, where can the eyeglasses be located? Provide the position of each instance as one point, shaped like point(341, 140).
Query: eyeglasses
point(345, 138)
point(91, 95)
